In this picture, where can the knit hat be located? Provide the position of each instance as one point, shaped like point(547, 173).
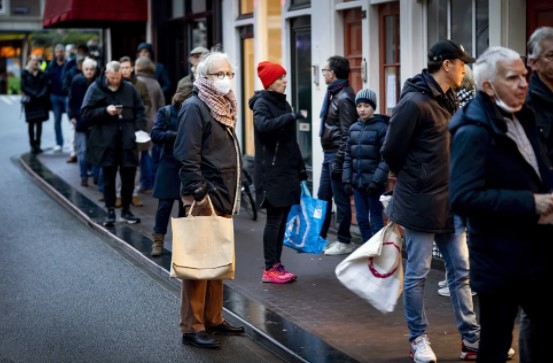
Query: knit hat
point(146, 46)
point(269, 72)
point(366, 95)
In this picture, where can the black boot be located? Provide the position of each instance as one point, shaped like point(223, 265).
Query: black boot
point(201, 340)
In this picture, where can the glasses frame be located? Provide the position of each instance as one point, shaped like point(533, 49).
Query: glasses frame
point(222, 75)
point(323, 70)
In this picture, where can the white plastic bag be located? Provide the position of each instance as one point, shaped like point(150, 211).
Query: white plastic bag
point(374, 271)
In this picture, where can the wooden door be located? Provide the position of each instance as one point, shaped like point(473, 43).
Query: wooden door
point(353, 37)
point(389, 56)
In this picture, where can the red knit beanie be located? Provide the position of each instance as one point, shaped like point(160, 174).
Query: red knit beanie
point(269, 72)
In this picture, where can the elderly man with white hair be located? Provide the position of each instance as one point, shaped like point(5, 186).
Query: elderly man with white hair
point(501, 182)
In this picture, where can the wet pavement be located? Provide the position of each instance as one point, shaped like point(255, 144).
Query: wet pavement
point(314, 319)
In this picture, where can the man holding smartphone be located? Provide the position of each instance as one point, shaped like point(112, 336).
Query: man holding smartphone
point(115, 111)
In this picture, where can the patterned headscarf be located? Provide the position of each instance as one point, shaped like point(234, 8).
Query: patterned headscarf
point(223, 107)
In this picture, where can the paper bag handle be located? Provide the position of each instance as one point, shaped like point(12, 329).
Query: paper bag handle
point(194, 204)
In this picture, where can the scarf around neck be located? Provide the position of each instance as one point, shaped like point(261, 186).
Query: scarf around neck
point(332, 88)
point(223, 108)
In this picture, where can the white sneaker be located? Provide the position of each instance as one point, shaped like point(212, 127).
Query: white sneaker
point(421, 352)
point(339, 248)
point(444, 291)
point(469, 351)
point(442, 283)
point(57, 149)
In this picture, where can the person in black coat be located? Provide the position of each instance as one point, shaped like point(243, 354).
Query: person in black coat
point(167, 182)
point(115, 112)
point(77, 91)
point(365, 172)
point(501, 182)
point(36, 103)
point(279, 166)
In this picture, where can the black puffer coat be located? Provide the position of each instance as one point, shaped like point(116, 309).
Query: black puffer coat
point(416, 149)
point(110, 133)
point(278, 160)
point(492, 185)
point(363, 162)
point(209, 156)
point(37, 89)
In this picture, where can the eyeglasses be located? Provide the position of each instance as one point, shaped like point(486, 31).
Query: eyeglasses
point(548, 57)
point(222, 75)
point(325, 70)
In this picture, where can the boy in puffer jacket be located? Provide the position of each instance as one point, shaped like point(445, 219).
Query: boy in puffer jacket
point(365, 172)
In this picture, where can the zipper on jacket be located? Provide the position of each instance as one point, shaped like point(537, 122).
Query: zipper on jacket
point(236, 203)
point(274, 156)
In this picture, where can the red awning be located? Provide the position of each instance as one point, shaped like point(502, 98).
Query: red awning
point(92, 13)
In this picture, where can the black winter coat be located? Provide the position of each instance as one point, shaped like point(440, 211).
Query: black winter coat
point(110, 135)
point(540, 99)
point(278, 160)
point(209, 155)
point(416, 149)
point(492, 185)
point(77, 91)
point(164, 133)
point(37, 89)
point(363, 163)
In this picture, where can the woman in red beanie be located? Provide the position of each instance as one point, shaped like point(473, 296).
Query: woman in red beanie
point(279, 166)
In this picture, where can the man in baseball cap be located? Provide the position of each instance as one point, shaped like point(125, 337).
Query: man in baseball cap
point(416, 149)
point(195, 56)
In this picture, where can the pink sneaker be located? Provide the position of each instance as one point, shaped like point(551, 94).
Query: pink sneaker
point(275, 275)
point(286, 272)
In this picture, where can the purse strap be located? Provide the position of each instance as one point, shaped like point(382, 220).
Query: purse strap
point(210, 205)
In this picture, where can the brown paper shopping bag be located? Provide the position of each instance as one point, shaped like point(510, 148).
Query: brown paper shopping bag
point(203, 247)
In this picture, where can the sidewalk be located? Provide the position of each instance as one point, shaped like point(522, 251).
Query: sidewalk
point(314, 319)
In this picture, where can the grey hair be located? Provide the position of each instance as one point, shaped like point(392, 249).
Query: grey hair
point(144, 65)
point(468, 79)
point(59, 46)
point(90, 62)
point(113, 66)
point(485, 68)
point(205, 67)
point(537, 37)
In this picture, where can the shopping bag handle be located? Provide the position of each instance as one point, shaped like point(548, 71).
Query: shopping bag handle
point(304, 189)
point(194, 204)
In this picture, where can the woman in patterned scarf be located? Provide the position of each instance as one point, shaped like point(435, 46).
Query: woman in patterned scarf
point(207, 149)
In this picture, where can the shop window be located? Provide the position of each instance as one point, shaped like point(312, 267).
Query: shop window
point(465, 21)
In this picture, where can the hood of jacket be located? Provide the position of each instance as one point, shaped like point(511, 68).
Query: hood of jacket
point(426, 84)
point(275, 97)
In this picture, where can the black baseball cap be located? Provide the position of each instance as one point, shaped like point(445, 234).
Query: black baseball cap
point(448, 49)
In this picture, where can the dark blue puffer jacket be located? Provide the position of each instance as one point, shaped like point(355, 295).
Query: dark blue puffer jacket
point(363, 162)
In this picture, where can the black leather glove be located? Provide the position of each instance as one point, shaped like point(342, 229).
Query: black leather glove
point(303, 175)
point(348, 188)
point(200, 192)
point(373, 188)
point(336, 171)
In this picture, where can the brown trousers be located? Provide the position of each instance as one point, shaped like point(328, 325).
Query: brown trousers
point(201, 300)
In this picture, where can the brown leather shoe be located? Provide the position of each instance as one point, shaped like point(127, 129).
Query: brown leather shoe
point(72, 159)
point(136, 201)
point(225, 328)
point(201, 340)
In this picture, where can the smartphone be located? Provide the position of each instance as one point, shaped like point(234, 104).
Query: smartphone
point(119, 106)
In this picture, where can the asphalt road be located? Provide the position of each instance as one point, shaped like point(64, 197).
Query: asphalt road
point(67, 294)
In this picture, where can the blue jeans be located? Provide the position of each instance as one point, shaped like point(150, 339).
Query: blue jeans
point(58, 107)
point(368, 206)
point(98, 172)
point(80, 140)
point(163, 213)
point(146, 171)
point(453, 247)
point(329, 188)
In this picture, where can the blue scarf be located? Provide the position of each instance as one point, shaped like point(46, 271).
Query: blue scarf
point(332, 88)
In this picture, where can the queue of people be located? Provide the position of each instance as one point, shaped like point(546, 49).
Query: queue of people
point(473, 171)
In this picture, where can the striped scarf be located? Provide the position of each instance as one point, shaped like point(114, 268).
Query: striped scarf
point(223, 108)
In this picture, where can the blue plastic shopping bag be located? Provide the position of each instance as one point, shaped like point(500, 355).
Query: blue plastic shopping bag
point(304, 224)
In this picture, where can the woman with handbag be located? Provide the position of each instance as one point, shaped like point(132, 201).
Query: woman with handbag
point(167, 182)
point(279, 167)
point(35, 100)
point(210, 158)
